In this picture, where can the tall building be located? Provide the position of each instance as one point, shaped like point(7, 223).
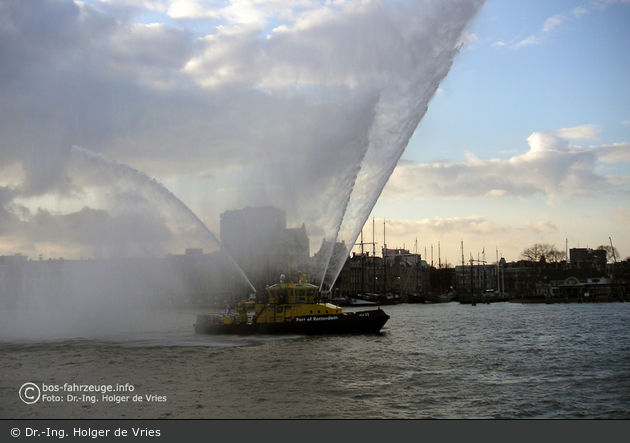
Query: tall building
point(587, 258)
point(259, 241)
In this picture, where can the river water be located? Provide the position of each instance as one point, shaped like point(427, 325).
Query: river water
point(503, 360)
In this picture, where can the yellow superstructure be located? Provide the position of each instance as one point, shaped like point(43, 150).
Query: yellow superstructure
point(286, 301)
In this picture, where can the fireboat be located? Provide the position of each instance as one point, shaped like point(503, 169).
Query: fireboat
point(290, 308)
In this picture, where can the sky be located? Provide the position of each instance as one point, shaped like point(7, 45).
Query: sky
point(498, 124)
point(527, 140)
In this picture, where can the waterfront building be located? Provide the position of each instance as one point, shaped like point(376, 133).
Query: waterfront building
point(579, 284)
point(399, 273)
point(587, 258)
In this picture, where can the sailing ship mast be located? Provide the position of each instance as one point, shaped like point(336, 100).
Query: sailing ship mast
point(363, 273)
point(384, 261)
point(373, 259)
point(362, 266)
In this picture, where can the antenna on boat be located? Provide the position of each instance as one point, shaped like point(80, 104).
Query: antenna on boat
point(289, 267)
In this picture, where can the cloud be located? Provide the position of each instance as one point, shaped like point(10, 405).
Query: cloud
point(603, 4)
point(579, 11)
point(190, 9)
point(579, 132)
point(239, 103)
point(555, 22)
point(428, 227)
point(126, 234)
point(550, 25)
point(540, 227)
point(496, 193)
point(622, 215)
point(551, 167)
point(468, 40)
point(617, 152)
point(113, 210)
point(439, 238)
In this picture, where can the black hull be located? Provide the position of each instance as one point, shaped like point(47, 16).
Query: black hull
point(431, 299)
point(415, 299)
point(465, 298)
point(363, 322)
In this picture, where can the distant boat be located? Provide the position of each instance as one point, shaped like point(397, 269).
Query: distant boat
point(341, 300)
point(438, 298)
point(361, 302)
point(369, 297)
point(389, 299)
point(415, 298)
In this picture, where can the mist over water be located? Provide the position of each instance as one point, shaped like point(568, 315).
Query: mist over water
point(134, 220)
point(308, 112)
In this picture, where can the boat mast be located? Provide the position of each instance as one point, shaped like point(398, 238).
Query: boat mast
point(384, 261)
point(614, 257)
point(483, 256)
point(364, 275)
point(463, 268)
point(373, 259)
point(362, 265)
point(497, 270)
point(472, 285)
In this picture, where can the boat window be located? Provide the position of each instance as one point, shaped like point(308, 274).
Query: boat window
point(311, 311)
point(326, 311)
point(319, 312)
point(282, 295)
